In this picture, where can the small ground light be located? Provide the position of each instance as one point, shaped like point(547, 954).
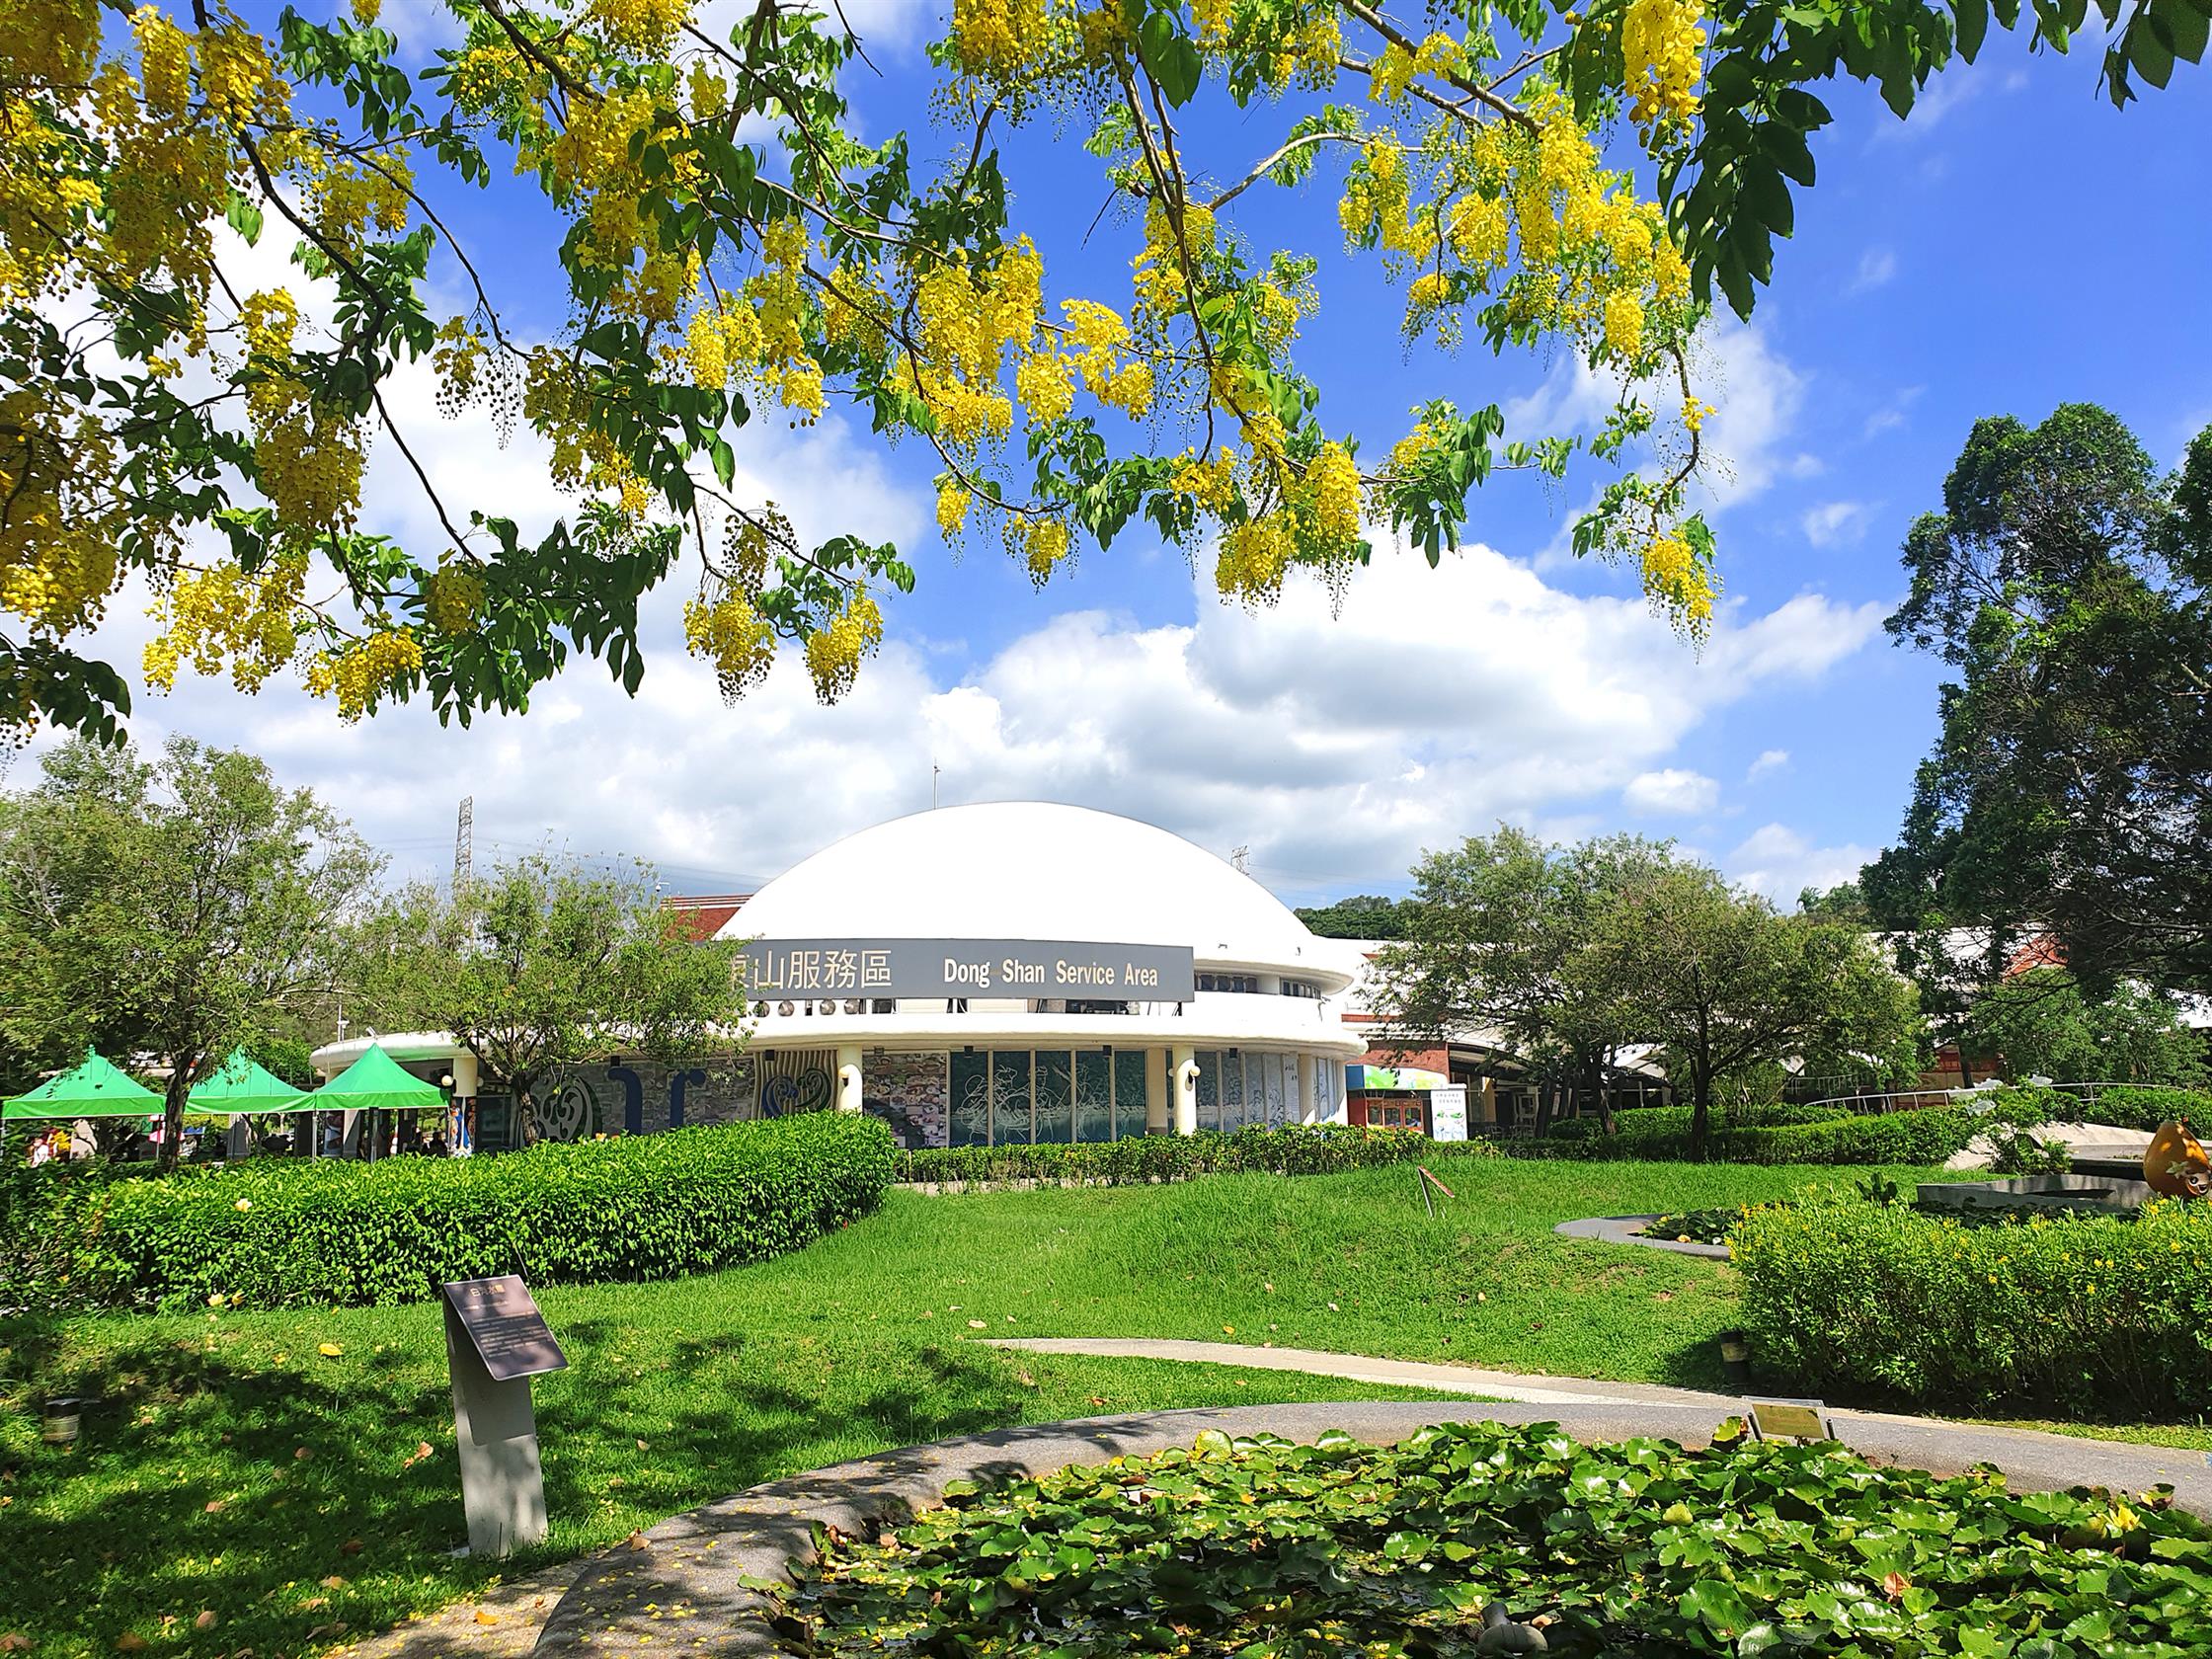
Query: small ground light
point(62, 1419)
point(1735, 1355)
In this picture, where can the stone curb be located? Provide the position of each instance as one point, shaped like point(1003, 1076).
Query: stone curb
point(679, 1588)
point(1628, 1230)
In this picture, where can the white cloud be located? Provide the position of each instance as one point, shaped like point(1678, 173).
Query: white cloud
point(1670, 790)
point(1940, 99)
point(1770, 761)
point(1876, 265)
point(1782, 863)
point(1337, 747)
point(1834, 521)
point(1892, 414)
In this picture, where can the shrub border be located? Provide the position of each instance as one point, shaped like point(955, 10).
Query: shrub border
point(700, 1559)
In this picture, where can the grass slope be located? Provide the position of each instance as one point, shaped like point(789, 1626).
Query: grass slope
point(190, 1493)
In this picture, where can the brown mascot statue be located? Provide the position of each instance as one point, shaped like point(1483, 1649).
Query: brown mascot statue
point(2175, 1162)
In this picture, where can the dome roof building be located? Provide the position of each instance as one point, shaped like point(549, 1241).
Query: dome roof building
point(1015, 971)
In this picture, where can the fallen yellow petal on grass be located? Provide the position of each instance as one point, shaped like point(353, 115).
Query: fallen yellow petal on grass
point(330, 1350)
point(485, 1615)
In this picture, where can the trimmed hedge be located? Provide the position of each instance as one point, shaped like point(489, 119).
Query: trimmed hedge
point(2147, 1108)
point(277, 1232)
point(1139, 1159)
point(2101, 1317)
point(1929, 1135)
point(1636, 1122)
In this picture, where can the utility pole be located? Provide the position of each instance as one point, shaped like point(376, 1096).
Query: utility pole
point(465, 845)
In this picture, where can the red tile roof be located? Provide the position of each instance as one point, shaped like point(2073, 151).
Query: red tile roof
point(705, 915)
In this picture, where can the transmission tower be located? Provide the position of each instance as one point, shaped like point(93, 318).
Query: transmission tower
point(1241, 858)
point(464, 843)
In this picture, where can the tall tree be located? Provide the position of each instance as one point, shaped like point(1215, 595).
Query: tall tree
point(167, 911)
point(1725, 983)
point(2040, 1024)
point(540, 964)
point(1494, 936)
point(1364, 915)
point(2070, 792)
point(1541, 176)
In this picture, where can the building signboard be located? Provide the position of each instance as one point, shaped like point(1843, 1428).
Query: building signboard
point(1447, 1113)
point(950, 968)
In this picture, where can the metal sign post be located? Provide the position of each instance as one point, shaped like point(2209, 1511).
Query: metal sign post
point(496, 1341)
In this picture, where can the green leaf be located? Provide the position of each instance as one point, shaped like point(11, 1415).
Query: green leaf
point(2186, 27)
point(1719, 1605)
point(1971, 20)
point(2152, 57)
point(725, 460)
point(244, 215)
point(1170, 56)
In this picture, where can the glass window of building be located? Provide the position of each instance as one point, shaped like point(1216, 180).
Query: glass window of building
point(967, 1122)
point(1094, 1077)
point(1129, 1091)
point(1208, 1088)
point(1056, 1097)
point(1232, 1091)
point(1010, 1124)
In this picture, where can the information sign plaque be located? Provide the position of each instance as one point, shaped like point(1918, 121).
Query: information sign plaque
point(502, 1319)
point(496, 1341)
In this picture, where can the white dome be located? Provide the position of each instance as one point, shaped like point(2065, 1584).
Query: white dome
point(1033, 870)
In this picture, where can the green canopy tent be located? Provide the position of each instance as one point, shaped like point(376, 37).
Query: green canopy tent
point(240, 1084)
point(375, 1082)
point(94, 1090)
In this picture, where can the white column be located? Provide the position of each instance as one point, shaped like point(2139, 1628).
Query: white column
point(463, 1067)
point(1308, 1070)
point(848, 1077)
point(1185, 1072)
point(1157, 1119)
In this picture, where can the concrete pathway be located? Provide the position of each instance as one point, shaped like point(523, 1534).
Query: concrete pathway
point(1409, 1373)
point(1951, 1444)
point(501, 1621)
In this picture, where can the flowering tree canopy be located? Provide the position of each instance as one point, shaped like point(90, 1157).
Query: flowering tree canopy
point(1586, 177)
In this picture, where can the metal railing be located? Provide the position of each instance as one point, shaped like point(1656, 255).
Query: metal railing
point(1913, 1100)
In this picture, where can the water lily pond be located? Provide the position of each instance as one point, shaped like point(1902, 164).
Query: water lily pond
point(1266, 1550)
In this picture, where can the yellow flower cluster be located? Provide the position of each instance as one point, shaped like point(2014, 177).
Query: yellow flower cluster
point(453, 598)
point(1663, 49)
point(1440, 55)
point(1042, 544)
point(307, 458)
point(63, 519)
point(1677, 580)
point(736, 639)
point(361, 674)
point(833, 653)
point(1251, 560)
point(222, 614)
point(953, 502)
point(641, 28)
point(998, 39)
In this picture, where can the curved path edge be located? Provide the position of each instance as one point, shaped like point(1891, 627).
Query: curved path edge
point(1628, 1230)
point(680, 1588)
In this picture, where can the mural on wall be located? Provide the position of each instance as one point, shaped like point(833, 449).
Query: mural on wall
point(568, 1112)
point(908, 1092)
point(796, 1081)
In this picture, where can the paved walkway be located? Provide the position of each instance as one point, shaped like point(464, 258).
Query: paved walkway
point(501, 1621)
point(1937, 1442)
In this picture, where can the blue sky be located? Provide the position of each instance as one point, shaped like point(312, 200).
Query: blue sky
point(2016, 245)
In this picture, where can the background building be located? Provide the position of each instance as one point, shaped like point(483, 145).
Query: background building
point(1017, 972)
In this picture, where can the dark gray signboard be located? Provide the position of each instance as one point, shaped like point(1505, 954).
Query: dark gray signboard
point(932, 967)
point(510, 1334)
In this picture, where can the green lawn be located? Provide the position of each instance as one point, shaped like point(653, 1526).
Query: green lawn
point(190, 1489)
